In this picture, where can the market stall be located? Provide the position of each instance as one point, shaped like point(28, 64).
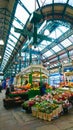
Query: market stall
point(33, 73)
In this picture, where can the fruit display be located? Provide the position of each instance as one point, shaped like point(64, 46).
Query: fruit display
point(51, 105)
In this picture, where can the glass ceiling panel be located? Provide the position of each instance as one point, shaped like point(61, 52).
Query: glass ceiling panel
point(71, 52)
point(34, 56)
point(54, 59)
point(11, 43)
point(16, 24)
point(66, 43)
point(71, 38)
point(13, 38)
point(63, 56)
point(8, 49)
point(56, 48)
point(6, 57)
point(4, 64)
point(56, 33)
point(8, 45)
point(48, 53)
point(31, 5)
point(43, 44)
point(60, 1)
point(23, 16)
point(14, 33)
point(7, 52)
point(63, 28)
point(70, 2)
point(41, 47)
point(45, 2)
point(22, 54)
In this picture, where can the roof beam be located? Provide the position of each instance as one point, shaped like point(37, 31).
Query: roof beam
point(58, 40)
point(10, 24)
point(24, 7)
point(65, 6)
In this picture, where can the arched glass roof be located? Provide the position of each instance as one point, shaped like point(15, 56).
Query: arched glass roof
point(57, 42)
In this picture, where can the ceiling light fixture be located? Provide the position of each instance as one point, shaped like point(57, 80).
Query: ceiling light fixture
point(0, 57)
point(1, 42)
point(46, 32)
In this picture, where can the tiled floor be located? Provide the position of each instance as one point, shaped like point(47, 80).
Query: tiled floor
point(17, 119)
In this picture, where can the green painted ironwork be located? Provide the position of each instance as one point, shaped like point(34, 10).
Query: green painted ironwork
point(19, 60)
point(12, 16)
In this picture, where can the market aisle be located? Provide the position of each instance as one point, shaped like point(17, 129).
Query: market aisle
point(17, 119)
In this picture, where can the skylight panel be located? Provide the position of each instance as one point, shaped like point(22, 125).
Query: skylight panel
point(54, 59)
point(41, 47)
point(60, 1)
point(56, 48)
point(23, 15)
point(48, 53)
point(11, 43)
point(7, 52)
point(63, 56)
point(70, 2)
point(56, 33)
point(45, 2)
point(31, 5)
point(8, 49)
point(34, 56)
point(9, 46)
point(63, 28)
point(45, 43)
point(4, 63)
point(16, 24)
point(71, 38)
point(66, 43)
point(5, 57)
point(22, 54)
point(14, 33)
point(13, 38)
point(71, 52)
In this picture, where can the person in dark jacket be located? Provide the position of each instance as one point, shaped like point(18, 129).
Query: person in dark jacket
point(43, 89)
point(7, 92)
point(0, 88)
